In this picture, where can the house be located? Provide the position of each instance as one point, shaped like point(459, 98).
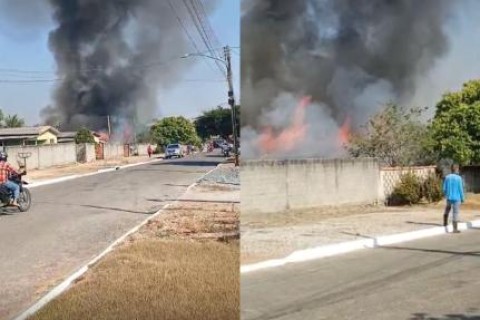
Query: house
point(101, 137)
point(28, 136)
point(69, 137)
point(66, 137)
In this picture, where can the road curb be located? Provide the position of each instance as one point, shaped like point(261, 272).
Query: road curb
point(350, 246)
point(65, 284)
point(83, 175)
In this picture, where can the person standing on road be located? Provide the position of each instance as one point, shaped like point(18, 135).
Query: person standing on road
point(453, 191)
point(150, 151)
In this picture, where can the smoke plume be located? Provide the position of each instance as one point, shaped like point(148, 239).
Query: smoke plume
point(350, 56)
point(112, 58)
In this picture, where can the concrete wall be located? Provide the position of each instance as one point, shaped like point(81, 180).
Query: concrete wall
point(44, 156)
point(113, 151)
point(272, 186)
point(85, 152)
point(142, 149)
point(90, 153)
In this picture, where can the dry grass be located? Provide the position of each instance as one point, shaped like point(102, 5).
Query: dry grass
point(156, 280)
point(305, 216)
point(174, 268)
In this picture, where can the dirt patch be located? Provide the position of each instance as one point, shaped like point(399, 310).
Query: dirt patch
point(278, 235)
point(196, 220)
point(312, 215)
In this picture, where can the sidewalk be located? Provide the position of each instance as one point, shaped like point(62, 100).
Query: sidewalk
point(277, 236)
point(35, 176)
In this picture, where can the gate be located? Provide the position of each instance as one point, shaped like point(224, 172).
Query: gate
point(100, 151)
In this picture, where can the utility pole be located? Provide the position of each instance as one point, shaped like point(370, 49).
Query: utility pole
point(231, 101)
point(109, 127)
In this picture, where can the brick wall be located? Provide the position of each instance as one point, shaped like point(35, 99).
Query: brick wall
point(389, 177)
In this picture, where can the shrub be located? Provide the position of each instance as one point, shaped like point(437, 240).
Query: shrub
point(432, 188)
point(407, 191)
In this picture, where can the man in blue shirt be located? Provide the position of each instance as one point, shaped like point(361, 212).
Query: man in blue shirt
point(453, 191)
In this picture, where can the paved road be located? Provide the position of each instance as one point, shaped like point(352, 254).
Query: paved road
point(73, 221)
point(435, 278)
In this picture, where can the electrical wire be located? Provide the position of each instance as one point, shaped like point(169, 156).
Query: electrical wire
point(185, 30)
point(201, 29)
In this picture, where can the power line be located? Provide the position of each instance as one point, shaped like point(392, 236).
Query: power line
point(41, 73)
point(206, 26)
point(185, 30)
point(27, 81)
point(200, 26)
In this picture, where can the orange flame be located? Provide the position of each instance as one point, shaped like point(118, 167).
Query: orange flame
point(344, 132)
point(289, 137)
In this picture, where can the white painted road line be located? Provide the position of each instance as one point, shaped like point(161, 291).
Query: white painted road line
point(350, 246)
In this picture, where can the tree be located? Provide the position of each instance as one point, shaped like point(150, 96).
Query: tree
point(455, 127)
point(84, 136)
point(12, 121)
point(217, 121)
point(174, 130)
point(395, 135)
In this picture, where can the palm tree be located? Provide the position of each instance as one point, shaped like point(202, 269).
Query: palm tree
point(13, 121)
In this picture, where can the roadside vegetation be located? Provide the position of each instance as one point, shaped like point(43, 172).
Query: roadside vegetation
point(400, 136)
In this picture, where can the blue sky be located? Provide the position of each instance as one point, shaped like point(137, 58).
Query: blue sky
point(26, 48)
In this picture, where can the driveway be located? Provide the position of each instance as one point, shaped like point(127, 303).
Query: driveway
point(72, 222)
point(435, 278)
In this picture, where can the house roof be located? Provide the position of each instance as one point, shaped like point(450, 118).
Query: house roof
point(67, 134)
point(27, 131)
point(103, 136)
point(4, 138)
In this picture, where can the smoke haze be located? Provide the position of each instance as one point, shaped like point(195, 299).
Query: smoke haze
point(112, 57)
point(350, 56)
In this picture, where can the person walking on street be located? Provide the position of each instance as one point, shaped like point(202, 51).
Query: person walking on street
point(453, 191)
point(150, 151)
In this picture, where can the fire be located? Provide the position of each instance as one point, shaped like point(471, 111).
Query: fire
point(344, 132)
point(288, 138)
point(271, 142)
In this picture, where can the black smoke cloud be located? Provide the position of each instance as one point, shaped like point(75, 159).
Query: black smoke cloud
point(112, 57)
point(349, 55)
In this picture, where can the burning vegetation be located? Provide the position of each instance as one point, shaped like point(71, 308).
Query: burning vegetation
point(341, 59)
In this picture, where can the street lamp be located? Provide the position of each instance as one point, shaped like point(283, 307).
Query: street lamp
point(231, 97)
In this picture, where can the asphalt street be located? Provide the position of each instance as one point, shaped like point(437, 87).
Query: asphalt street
point(71, 222)
point(434, 278)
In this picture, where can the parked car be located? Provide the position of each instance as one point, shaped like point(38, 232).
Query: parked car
point(174, 150)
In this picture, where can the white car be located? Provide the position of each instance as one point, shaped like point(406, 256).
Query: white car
point(174, 150)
